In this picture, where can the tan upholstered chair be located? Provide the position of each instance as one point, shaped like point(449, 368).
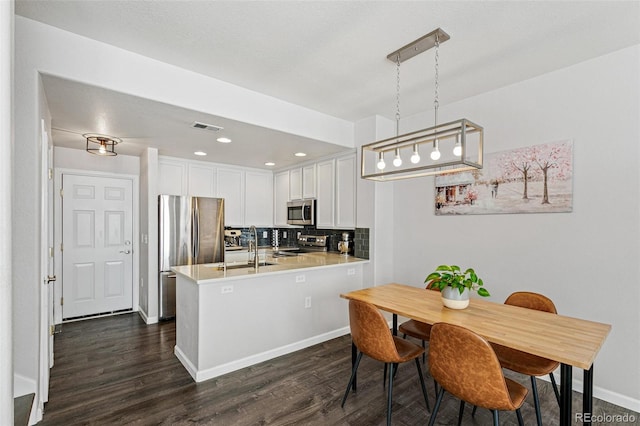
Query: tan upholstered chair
point(465, 365)
point(371, 336)
point(522, 362)
point(417, 329)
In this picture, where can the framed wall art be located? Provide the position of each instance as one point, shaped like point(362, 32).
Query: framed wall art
point(533, 179)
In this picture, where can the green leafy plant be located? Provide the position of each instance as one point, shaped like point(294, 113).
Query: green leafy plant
point(452, 276)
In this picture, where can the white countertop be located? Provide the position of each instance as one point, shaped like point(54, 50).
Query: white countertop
point(212, 272)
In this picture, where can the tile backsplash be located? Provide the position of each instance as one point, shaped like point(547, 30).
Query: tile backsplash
point(289, 238)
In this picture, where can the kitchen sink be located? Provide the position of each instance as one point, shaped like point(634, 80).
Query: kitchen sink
point(241, 265)
point(285, 253)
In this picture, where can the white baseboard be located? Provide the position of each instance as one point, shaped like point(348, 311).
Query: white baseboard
point(147, 320)
point(210, 373)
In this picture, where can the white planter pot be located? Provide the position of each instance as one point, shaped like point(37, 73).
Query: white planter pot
point(451, 298)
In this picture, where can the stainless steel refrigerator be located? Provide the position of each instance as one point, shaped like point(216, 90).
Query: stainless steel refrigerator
point(191, 231)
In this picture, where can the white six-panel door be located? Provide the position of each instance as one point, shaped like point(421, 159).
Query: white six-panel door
point(97, 233)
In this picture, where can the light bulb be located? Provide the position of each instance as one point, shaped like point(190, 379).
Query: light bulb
point(381, 165)
point(103, 148)
point(415, 158)
point(397, 161)
point(435, 154)
point(457, 148)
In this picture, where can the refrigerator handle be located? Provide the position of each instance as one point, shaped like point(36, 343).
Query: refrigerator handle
point(196, 231)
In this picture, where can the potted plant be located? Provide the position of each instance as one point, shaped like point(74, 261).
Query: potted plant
point(454, 285)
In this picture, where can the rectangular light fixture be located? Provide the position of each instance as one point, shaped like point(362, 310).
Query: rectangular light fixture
point(380, 159)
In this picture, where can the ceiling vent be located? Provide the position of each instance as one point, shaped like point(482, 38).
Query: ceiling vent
point(205, 126)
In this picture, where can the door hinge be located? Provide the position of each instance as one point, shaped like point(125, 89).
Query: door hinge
point(62, 192)
point(52, 330)
point(50, 174)
point(50, 251)
point(61, 301)
point(61, 247)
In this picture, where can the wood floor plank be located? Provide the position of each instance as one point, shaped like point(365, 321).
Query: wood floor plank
point(120, 371)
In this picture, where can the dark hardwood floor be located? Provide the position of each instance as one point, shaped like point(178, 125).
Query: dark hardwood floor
point(119, 371)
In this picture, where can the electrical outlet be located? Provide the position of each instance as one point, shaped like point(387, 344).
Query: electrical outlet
point(307, 302)
point(226, 289)
point(351, 271)
point(265, 234)
point(300, 278)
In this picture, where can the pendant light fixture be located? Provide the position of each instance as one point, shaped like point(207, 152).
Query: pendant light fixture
point(101, 144)
point(453, 146)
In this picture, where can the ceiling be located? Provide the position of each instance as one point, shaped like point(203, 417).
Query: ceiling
point(329, 56)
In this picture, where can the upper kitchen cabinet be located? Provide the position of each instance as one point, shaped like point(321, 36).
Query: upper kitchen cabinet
point(302, 182)
point(231, 188)
point(280, 197)
point(346, 192)
point(172, 177)
point(258, 203)
point(336, 193)
point(202, 180)
point(325, 194)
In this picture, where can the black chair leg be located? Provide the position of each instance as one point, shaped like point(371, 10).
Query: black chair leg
point(424, 388)
point(390, 395)
point(555, 387)
point(496, 418)
point(473, 413)
point(353, 374)
point(432, 420)
point(520, 420)
point(460, 412)
point(384, 376)
point(424, 354)
point(536, 401)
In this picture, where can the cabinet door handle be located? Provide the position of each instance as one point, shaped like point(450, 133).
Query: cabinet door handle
point(125, 251)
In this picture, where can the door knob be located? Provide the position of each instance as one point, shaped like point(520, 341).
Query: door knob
point(125, 251)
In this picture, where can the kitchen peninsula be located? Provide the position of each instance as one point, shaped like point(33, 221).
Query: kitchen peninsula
point(234, 317)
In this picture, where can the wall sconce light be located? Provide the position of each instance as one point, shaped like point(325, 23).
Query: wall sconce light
point(101, 144)
point(461, 140)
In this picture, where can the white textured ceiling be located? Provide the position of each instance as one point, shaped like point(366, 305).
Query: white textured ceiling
point(330, 56)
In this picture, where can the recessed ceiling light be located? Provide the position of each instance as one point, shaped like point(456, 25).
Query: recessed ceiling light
point(300, 154)
point(200, 153)
point(223, 140)
point(269, 163)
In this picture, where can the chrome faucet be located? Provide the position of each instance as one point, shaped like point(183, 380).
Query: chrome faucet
point(255, 260)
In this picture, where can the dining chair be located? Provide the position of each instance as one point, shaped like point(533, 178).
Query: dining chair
point(371, 335)
point(522, 362)
point(417, 329)
point(465, 365)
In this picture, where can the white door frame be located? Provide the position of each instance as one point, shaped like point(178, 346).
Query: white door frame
point(58, 233)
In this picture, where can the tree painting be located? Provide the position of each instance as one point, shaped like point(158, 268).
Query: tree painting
point(533, 179)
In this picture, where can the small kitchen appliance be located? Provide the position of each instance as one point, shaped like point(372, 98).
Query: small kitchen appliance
point(232, 239)
point(344, 246)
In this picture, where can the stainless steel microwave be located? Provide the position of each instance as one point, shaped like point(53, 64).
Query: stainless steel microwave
point(302, 212)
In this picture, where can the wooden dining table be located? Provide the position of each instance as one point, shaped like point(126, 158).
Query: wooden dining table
point(572, 342)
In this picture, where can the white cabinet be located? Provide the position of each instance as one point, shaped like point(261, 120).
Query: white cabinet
point(295, 184)
point(280, 198)
point(302, 182)
point(336, 193)
point(325, 194)
point(258, 204)
point(345, 192)
point(172, 177)
point(309, 181)
point(231, 188)
point(202, 180)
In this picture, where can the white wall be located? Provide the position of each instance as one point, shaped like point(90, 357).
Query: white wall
point(6, 148)
point(69, 158)
point(586, 260)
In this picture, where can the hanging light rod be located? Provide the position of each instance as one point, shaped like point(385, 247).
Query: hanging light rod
point(418, 46)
